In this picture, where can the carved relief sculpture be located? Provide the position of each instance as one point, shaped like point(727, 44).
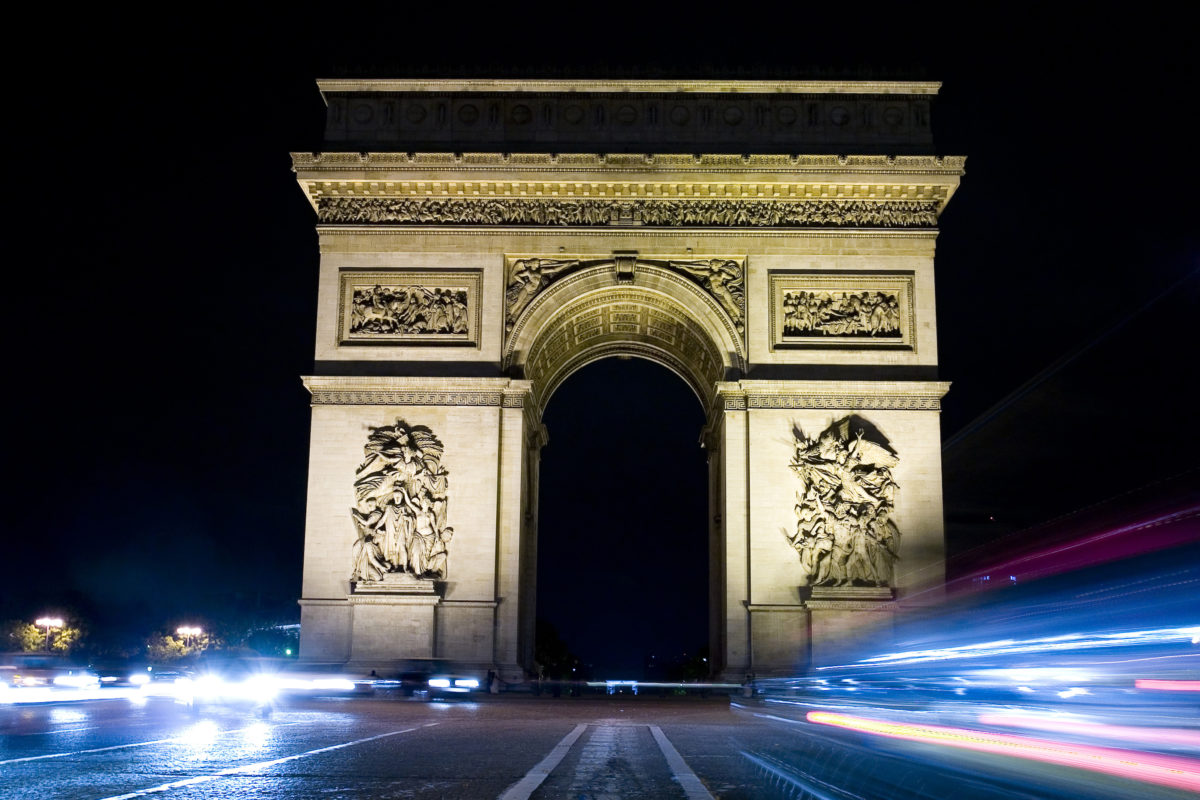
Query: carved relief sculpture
point(408, 307)
point(400, 510)
point(874, 314)
point(724, 281)
point(527, 277)
point(593, 212)
point(842, 309)
point(844, 533)
point(722, 278)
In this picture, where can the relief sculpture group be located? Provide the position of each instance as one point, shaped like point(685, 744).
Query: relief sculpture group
point(840, 314)
point(844, 533)
point(408, 309)
point(400, 511)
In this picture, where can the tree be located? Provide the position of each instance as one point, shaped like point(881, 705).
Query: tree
point(26, 637)
point(173, 646)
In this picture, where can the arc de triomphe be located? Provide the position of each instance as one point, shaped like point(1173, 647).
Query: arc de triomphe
point(481, 240)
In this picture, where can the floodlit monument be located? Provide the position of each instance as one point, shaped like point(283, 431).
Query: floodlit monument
point(771, 243)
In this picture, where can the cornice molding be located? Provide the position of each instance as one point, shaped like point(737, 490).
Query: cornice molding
point(581, 190)
point(708, 163)
point(331, 231)
point(338, 390)
point(446, 85)
point(832, 395)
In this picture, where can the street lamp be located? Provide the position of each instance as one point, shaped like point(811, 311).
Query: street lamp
point(49, 623)
point(189, 632)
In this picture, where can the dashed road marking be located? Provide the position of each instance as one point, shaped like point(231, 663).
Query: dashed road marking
point(522, 789)
point(691, 785)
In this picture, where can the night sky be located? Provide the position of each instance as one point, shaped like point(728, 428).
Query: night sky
point(162, 275)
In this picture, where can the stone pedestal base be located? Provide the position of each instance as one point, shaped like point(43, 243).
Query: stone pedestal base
point(847, 592)
point(779, 640)
point(845, 627)
point(396, 583)
point(389, 627)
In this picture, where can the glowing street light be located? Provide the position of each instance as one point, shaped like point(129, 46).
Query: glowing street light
point(49, 623)
point(189, 633)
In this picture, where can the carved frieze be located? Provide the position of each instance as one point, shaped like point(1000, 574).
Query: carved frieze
point(400, 492)
point(584, 212)
point(842, 310)
point(844, 534)
point(409, 307)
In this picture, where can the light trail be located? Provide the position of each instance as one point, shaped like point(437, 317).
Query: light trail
point(1068, 642)
point(1170, 686)
point(1173, 771)
point(1128, 733)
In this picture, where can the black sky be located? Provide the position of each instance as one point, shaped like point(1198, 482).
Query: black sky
point(162, 292)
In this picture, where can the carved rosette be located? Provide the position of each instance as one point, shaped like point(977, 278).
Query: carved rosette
point(400, 492)
point(844, 534)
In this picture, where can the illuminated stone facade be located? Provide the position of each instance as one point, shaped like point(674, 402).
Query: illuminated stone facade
point(458, 289)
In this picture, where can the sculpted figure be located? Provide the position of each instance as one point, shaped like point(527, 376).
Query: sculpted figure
point(530, 276)
point(401, 490)
point(723, 279)
point(369, 561)
point(844, 535)
point(437, 555)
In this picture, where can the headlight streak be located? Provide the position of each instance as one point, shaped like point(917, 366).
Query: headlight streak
point(1066, 642)
point(1169, 686)
point(1173, 771)
point(1100, 730)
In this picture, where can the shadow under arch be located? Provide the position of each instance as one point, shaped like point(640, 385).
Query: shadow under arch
point(595, 313)
point(623, 572)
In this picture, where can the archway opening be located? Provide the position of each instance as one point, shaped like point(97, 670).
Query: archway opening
point(623, 534)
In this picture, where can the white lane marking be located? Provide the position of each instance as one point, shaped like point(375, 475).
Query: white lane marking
point(802, 786)
point(522, 789)
point(123, 746)
point(692, 787)
point(56, 731)
point(260, 765)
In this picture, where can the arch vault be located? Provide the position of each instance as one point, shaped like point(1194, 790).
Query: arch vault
point(458, 290)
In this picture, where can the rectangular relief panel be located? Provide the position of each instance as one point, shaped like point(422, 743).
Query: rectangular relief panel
point(409, 307)
point(842, 310)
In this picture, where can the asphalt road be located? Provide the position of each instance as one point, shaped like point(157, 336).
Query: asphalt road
point(507, 746)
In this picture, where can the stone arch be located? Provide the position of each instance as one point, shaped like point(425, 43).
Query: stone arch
point(597, 312)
